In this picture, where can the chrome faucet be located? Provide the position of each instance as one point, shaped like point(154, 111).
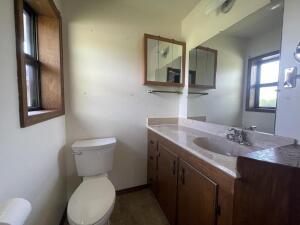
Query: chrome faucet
point(238, 136)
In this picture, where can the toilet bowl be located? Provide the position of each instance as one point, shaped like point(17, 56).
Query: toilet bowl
point(93, 201)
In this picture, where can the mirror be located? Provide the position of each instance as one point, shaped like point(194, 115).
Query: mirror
point(246, 73)
point(164, 61)
point(202, 67)
point(297, 53)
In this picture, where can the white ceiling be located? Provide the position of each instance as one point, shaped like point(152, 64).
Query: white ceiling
point(261, 21)
point(169, 9)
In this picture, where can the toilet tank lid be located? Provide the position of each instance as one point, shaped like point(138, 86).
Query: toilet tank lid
point(94, 144)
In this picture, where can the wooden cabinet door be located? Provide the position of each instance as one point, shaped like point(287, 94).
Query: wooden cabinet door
point(152, 163)
point(167, 182)
point(197, 196)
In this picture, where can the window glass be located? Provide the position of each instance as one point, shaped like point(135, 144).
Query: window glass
point(269, 72)
point(268, 97)
point(28, 33)
point(32, 87)
point(263, 82)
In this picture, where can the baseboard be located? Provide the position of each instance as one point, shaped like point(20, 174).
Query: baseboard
point(64, 217)
point(132, 189)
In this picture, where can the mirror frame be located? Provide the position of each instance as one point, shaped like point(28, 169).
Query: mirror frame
point(215, 67)
point(183, 61)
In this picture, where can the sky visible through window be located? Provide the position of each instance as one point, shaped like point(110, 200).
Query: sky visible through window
point(269, 74)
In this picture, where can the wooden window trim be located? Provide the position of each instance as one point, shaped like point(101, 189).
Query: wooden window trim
point(44, 9)
point(257, 85)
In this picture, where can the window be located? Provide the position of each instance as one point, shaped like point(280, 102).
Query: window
point(263, 74)
point(39, 58)
point(31, 59)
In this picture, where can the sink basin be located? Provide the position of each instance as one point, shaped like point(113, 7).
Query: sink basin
point(222, 146)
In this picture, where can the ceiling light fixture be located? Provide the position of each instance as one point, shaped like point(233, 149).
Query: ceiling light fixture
point(224, 5)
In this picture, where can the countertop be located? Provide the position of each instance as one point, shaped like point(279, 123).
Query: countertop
point(182, 132)
point(184, 137)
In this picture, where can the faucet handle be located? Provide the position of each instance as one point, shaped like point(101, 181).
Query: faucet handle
point(235, 131)
point(251, 128)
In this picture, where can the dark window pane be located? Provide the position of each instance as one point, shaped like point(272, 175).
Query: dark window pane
point(267, 97)
point(269, 72)
point(27, 33)
point(32, 87)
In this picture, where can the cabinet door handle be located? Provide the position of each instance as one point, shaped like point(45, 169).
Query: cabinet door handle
point(152, 142)
point(174, 167)
point(151, 158)
point(182, 176)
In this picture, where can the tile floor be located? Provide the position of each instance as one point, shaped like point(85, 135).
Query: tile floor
point(137, 208)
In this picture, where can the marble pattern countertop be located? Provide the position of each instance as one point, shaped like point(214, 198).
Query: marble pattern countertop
point(183, 132)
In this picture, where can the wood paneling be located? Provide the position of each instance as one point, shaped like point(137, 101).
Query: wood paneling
point(49, 58)
point(266, 194)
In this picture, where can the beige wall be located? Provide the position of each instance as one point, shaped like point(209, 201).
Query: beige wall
point(105, 74)
point(198, 27)
point(287, 118)
point(31, 159)
point(228, 95)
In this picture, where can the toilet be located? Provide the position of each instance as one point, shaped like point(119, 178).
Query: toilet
point(93, 201)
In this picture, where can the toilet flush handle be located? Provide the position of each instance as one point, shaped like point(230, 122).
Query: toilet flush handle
point(77, 153)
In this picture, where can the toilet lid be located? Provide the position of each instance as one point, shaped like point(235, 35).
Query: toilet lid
point(91, 200)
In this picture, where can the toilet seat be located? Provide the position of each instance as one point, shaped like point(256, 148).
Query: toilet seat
point(92, 202)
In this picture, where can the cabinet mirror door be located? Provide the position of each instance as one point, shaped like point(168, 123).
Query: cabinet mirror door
point(202, 67)
point(164, 61)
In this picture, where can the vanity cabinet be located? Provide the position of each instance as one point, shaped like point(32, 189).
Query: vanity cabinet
point(185, 192)
point(197, 196)
point(192, 191)
point(167, 170)
point(152, 164)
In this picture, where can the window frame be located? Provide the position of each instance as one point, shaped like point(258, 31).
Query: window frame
point(33, 60)
point(258, 61)
point(51, 78)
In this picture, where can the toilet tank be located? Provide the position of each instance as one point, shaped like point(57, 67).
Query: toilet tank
point(94, 157)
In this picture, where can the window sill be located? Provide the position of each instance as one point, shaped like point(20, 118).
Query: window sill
point(35, 117)
point(39, 112)
point(261, 110)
